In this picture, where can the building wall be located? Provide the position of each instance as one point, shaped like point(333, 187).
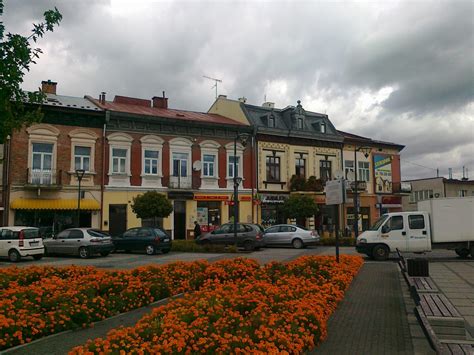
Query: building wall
point(228, 108)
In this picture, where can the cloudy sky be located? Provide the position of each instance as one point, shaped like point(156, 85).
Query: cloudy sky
point(391, 70)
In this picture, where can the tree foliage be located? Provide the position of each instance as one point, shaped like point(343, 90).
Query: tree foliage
point(16, 55)
point(151, 204)
point(300, 206)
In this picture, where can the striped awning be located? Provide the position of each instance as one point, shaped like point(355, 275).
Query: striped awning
point(37, 204)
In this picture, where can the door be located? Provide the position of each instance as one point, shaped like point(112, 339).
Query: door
point(74, 241)
point(145, 237)
point(394, 233)
point(417, 233)
point(179, 220)
point(272, 235)
point(128, 240)
point(285, 234)
point(58, 244)
point(243, 233)
point(220, 235)
point(117, 219)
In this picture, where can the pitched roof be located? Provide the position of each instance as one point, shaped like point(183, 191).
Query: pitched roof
point(353, 137)
point(70, 102)
point(143, 107)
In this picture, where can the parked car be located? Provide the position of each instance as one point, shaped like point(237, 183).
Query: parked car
point(249, 236)
point(147, 239)
point(290, 235)
point(84, 242)
point(20, 242)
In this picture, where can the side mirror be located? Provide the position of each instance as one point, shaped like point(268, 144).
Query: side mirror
point(385, 229)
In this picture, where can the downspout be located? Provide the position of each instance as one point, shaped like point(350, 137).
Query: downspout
point(252, 170)
point(6, 181)
point(342, 221)
point(102, 183)
point(255, 156)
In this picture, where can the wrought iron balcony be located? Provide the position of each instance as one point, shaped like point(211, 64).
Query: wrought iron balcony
point(180, 182)
point(44, 178)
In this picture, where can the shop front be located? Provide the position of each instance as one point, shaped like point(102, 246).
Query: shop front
point(209, 211)
point(271, 211)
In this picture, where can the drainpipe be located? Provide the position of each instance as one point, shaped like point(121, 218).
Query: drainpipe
point(252, 170)
point(255, 157)
point(6, 181)
point(102, 182)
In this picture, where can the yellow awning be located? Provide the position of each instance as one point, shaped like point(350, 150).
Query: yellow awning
point(33, 204)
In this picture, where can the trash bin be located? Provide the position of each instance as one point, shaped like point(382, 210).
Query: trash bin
point(418, 267)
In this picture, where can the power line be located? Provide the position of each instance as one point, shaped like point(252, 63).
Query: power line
point(426, 167)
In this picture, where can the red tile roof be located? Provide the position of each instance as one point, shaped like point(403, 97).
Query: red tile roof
point(143, 107)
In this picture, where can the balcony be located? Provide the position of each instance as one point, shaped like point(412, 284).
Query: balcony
point(43, 178)
point(180, 182)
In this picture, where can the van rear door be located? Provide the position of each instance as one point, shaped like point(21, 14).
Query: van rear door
point(418, 232)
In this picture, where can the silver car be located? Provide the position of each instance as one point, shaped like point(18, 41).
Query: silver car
point(290, 235)
point(79, 241)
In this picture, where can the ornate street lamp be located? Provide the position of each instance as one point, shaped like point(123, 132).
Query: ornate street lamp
point(366, 151)
point(79, 175)
point(242, 138)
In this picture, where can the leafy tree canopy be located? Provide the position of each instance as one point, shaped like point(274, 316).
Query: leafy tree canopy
point(16, 56)
point(151, 204)
point(300, 206)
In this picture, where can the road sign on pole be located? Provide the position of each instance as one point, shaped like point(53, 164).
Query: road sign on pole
point(334, 192)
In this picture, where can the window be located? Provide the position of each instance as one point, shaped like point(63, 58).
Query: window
point(325, 170)
point(462, 193)
point(363, 173)
point(273, 168)
point(272, 230)
point(421, 195)
point(75, 234)
point(119, 160)
point(150, 162)
point(349, 169)
point(208, 165)
point(233, 159)
point(82, 158)
point(271, 121)
point(42, 156)
point(145, 232)
point(299, 123)
point(287, 229)
point(396, 223)
point(131, 233)
point(300, 167)
point(416, 221)
point(63, 234)
point(180, 164)
point(322, 127)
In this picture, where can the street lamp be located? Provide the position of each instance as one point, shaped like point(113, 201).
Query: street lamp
point(242, 138)
point(366, 151)
point(79, 175)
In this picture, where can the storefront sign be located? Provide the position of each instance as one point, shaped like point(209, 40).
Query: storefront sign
point(274, 198)
point(180, 195)
point(383, 173)
point(211, 197)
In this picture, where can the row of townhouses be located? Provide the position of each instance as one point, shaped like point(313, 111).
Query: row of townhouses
point(127, 146)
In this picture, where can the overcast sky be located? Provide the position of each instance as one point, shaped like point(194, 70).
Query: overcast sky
point(395, 71)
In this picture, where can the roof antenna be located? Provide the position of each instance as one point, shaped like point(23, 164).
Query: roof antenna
point(215, 80)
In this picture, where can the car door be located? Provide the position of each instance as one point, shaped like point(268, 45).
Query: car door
point(417, 233)
point(244, 232)
point(221, 235)
point(129, 239)
point(74, 241)
point(144, 237)
point(284, 235)
point(394, 233)
point(58, 244)
point(271, 235)
point(6, 237)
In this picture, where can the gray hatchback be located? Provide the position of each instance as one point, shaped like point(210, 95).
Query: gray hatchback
point(79, 241)
point(249, 236)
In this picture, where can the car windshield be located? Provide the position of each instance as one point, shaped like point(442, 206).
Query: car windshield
point(160, 233)
point(97, 233)
point(378, 223)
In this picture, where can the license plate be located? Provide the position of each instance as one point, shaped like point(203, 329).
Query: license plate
point(166, 239)
point(34, 243)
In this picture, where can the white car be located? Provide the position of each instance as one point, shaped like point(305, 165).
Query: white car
point(19, 242)
point(290, 235)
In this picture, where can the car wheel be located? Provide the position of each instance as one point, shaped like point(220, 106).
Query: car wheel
point(297, 244)
point(380, 252)
point(165, 251)
point(462, 252)
point(38, 256)
point(84, 253)
point(248, 245)
point(14, 256)
point(105, 253)
point(150, 249)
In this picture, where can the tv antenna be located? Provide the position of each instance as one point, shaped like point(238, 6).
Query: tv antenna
point(215, 80)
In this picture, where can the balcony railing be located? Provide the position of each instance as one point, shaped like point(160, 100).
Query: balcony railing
point(39, 177)
point(180, 182)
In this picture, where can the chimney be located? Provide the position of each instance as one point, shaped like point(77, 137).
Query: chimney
point(102, 98)
point(243, 99)
point(450, 173)
point(160, 102)
point(48, 87)
point(222, 96)
point(268, 104)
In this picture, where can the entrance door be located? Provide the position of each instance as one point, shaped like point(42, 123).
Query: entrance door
point(117, 219)
point(179, 220)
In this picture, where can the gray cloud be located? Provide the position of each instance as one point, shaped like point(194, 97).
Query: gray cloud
point(395, 71)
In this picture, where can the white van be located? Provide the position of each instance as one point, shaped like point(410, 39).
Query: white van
point(19, 242)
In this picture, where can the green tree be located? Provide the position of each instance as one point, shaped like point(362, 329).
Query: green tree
point(16, 56)
point(300, 207)
point(151, 204)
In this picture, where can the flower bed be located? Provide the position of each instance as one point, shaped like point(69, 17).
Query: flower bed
point(281, 308)
point(39, 301)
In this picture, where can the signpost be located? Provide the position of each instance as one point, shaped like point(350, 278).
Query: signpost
point(336, 195)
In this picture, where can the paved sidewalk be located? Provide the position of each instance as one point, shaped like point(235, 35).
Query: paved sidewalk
point(371, 319)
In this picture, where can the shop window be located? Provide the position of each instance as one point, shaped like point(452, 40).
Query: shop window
point(209, 215)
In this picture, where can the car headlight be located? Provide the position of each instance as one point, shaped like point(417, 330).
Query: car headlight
point(361, 241)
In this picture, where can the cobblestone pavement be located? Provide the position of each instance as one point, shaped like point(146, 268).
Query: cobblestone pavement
point(371, 319)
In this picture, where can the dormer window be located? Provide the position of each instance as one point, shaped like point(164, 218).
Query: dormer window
point(322, 127)
point(271, 121)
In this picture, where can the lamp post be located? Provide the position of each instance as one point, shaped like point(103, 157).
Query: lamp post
point(366, 151)
point(242, 138)
point(79, 175)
